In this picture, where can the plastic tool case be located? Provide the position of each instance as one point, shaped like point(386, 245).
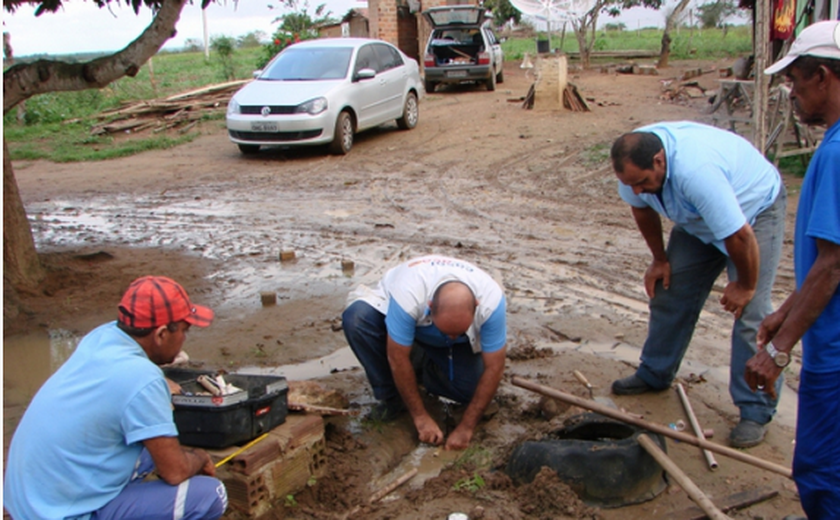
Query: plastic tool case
point(220, 421)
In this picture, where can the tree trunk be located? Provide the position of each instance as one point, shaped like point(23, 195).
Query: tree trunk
point(670, 22)
point(21, 267)
point(665, 51)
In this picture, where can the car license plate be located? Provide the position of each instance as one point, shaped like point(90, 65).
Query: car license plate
point(456, 74)
point(264, 127)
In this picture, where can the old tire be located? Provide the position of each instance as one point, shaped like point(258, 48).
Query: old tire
point(491, 82)
point(411, 113)
point(429, 86)
point(342, 141)
point(249, 149)
point(601, 459)
point(500, 77)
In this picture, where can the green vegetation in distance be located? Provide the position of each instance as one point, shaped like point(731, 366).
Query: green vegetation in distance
point(43, 134)
point(687, 43)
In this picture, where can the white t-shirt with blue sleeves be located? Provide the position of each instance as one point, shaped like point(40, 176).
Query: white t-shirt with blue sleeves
point(405, 291)
point(77, 444)
point(715, 182)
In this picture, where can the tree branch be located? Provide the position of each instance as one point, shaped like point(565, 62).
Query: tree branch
point(25, 80)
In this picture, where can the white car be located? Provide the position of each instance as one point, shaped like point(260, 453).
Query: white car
point(323, 92)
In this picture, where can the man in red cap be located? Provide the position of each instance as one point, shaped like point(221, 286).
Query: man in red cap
point(103, 422)
point(812, 312)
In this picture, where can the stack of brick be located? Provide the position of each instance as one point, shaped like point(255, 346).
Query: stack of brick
point(259, 479)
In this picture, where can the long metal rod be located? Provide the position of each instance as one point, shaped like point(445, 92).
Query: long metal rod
point(695, 425)
point(650, 426)
point(694, 492)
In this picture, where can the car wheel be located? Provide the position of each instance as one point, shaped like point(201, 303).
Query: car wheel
point(410, 114)
point(249, 149)
point(500, 77)
point(491, 82)
point(430, 86)
point(343, 137)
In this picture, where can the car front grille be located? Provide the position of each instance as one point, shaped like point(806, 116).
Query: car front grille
point(275, 109)
point(275, 137)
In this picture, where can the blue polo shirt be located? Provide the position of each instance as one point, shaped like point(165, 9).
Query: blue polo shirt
point(78, 442)
point(818, 217)
point(715, 182)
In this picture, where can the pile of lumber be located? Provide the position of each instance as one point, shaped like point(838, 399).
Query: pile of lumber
point(180, 111)
point(573, 100)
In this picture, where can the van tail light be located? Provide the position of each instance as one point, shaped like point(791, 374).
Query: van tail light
point(429, 60)
point(484, 58)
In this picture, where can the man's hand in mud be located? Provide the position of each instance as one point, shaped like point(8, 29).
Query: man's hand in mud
point(459, 439)
point(428, 430)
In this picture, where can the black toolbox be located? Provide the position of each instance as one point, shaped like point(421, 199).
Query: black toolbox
point(207, 421)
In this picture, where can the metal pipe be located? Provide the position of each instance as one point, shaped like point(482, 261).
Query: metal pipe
point(695, 425)
point(682, 479)
point(653, 427)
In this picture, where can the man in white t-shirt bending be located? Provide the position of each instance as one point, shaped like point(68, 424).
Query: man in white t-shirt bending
point(443, 316)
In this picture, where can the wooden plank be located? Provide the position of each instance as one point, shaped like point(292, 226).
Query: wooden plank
point(732, 502)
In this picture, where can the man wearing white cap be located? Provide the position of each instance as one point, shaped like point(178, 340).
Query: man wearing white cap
point(812, 312)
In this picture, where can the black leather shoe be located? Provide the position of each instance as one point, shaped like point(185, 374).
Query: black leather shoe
point(631, 385)
point(747, 434)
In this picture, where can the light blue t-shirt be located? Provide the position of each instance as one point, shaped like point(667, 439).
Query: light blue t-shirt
point(76, 446)
point(818, 217)
point(715, 182)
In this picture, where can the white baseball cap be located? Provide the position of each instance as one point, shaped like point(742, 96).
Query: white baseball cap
point(820, 40)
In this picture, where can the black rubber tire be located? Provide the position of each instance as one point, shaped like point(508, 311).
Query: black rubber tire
point(342, 141)
point(600, 458)
point(500, 77)
point(491, 83)
point(249, 149)
point(430, 86)
point(411, 113)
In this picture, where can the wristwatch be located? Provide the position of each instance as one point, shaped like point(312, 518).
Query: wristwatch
point(782, 359)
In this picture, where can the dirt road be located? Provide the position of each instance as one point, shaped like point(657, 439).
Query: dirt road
point(526, 194)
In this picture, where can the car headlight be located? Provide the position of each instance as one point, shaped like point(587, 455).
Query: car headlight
point(233, 107)
point(313, 106)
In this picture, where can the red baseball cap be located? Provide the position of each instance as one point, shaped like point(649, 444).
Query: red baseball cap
point(152, 301)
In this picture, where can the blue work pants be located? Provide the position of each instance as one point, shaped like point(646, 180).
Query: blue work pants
point(674, 312)
point(197, 498)
point(455, 378)
point(816, 458)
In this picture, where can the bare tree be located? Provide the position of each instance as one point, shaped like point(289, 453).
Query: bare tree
point(670, 22)
point(22, 269)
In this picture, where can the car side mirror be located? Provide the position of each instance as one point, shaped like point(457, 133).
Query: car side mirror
point(365, 74)
point(256, 73)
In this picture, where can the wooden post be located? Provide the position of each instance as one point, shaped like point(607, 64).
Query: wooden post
point(761, 45)
point(682, 479)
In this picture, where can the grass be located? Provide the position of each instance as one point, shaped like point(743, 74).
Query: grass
point(686, 43)
point(43, 134)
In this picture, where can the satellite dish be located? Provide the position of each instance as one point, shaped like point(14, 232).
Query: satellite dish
point(554, 10)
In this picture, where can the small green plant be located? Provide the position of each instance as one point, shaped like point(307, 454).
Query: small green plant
point(474, 457)
point(223, 48)
point(312, 481)
point(471, 484)
point(290, 501)
point(597, 154)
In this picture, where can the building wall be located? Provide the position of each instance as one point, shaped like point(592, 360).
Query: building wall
point(409, 32)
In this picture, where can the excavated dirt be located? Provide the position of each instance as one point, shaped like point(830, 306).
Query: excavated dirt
point(527, 195)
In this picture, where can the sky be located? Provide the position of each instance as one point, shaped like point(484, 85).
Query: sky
point(82, 27)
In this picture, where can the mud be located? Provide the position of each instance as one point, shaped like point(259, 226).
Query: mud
point(527, 195)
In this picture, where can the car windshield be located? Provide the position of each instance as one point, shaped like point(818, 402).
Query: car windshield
point(309, 64)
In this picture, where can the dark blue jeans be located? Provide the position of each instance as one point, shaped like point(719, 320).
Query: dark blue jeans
point(455, 378)
point(674, 312)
